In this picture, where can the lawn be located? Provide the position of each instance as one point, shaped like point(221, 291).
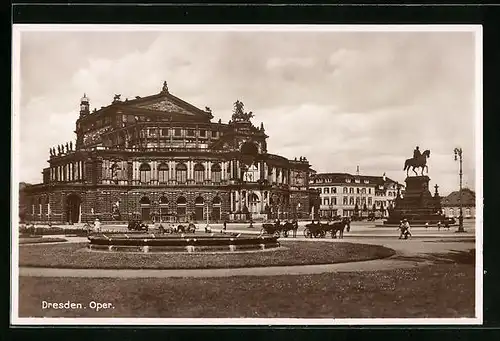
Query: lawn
point(440, 290)
point(40, 240)
point(292, 253)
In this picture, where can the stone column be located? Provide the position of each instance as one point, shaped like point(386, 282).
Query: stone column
point(153, 170)
point(231, 209)
point(223, 170)
point(259, 170)
point(189, 169)
point(209, 170)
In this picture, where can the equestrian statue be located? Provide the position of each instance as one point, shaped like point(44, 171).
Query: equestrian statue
point(419, 160)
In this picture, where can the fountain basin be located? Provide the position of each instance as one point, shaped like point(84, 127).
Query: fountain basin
point(177, 243)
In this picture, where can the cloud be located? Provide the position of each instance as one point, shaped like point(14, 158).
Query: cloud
point(276, 62)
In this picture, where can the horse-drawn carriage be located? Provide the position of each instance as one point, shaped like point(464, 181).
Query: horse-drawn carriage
point(277, 229)
point(137, 225)
point(320, 230)
point(190, 228)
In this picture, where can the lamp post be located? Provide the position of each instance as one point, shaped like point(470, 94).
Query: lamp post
point(458, 156)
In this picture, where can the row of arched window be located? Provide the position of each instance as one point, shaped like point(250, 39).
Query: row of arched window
point(181, 201)
point(180, 173)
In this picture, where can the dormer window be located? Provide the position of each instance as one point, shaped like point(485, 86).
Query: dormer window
point(366, 182)
point(347, 180)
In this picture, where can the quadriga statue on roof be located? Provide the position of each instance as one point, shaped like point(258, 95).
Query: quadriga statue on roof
point(419, 160)
point(239, 113)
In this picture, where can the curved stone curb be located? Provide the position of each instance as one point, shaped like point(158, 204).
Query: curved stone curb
point(371, 265)
point(402, 248)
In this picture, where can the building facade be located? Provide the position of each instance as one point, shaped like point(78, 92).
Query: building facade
point(343, 194)
point(160, 158)
point(451, 204)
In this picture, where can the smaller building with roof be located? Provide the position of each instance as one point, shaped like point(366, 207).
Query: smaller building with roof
point(451, 204)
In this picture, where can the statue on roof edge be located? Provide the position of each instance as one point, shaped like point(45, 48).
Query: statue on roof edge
point(239, 114)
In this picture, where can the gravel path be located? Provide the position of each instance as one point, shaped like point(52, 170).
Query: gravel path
point(407, 251)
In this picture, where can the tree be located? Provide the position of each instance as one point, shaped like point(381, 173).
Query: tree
point(356, 209)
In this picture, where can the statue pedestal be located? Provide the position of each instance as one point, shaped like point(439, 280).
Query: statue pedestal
point(417, 205)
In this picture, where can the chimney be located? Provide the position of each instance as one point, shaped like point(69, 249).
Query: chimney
point(383, 177)
point(357, 170)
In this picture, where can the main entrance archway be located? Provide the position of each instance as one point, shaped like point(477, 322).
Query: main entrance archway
point(73, 208)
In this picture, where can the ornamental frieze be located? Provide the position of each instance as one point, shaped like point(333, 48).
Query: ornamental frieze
point(164, 105)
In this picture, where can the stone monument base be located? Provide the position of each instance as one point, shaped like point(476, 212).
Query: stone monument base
point(417, 205)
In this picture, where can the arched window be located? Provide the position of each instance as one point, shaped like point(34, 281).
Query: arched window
point(181, 173)
point(181, 206)
point(116, 172)
point(199, 200)
point(144, 201)
point(216, 208)
point(145, 173)
point(199, 173)
point(351, 201)
point(199, 209)
point(163, 200)
point(163, 173)
point(216, 173)
point(345, 190)
point(254, 203)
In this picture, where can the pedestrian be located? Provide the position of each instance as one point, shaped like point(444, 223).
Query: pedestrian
point(439, 225)
point(225, 225)
point(97, 225)
point(407, 227)
point(426, 225)
point(401, 228)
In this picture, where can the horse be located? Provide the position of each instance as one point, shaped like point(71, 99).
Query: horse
point(418, 163)
point(338, 226)
point(191, 228)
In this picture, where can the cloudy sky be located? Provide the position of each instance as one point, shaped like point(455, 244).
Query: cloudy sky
point(341, 99)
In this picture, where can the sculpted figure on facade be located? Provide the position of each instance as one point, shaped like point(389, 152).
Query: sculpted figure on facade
point(239, 113)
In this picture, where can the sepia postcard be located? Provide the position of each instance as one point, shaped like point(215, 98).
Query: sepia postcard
point(246, 175)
